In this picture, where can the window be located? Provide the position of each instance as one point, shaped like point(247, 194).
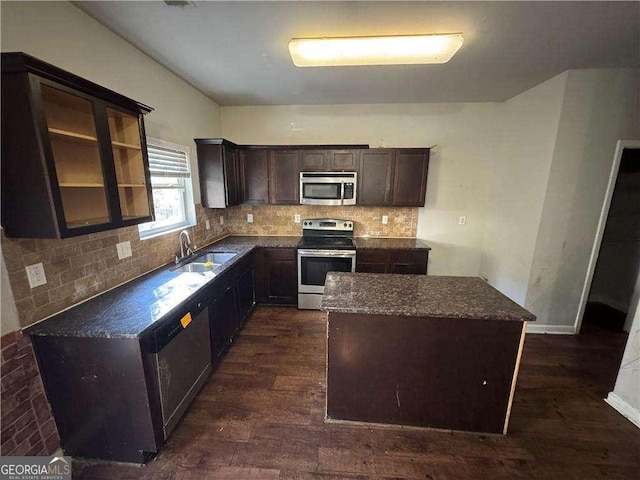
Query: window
point(171, 187)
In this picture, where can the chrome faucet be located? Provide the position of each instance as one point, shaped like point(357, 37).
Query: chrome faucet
point(184, 235)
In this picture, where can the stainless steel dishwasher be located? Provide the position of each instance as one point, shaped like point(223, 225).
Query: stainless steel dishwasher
point(182, 363)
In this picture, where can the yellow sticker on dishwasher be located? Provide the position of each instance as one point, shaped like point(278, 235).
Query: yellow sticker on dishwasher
point(208, 264)
point(186, 320)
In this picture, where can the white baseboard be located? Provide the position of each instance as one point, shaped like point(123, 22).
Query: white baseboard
point(551, 329)
point(624, 408)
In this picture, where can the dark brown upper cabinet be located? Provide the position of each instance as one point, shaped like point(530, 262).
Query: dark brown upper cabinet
point(284, 177)
point(393, 177)
point(74, 154)
point(328, 160)
point(255, 176)
point(375, 177)
point(219, 171)
point(410, 177)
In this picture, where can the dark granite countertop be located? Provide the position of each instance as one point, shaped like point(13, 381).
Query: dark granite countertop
point(419, 296)
point(132, 309)
point(391, 243)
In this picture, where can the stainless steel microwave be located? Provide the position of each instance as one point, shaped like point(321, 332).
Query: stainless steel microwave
point(328, 188)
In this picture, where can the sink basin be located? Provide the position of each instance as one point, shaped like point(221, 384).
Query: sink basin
point(217, 258)
point(206, 262)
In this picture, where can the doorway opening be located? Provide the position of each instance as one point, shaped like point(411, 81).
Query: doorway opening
point(615, 261)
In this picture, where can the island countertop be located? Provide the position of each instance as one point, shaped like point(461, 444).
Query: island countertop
point(418, 296)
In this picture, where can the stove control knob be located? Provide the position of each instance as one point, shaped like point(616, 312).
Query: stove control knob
point(350, 225)
point(304, 223)
point(345, 224)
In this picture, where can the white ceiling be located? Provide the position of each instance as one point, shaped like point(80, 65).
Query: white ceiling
point(237, 52)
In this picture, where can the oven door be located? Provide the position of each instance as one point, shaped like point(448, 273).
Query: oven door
point(313, 266)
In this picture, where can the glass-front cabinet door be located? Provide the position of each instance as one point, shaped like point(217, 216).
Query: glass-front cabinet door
point(74, 155)
point(129, 164)
point(78, 164)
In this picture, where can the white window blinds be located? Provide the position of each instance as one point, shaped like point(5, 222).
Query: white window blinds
point(166, 162)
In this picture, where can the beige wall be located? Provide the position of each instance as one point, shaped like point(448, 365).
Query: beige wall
point(520, 169)
point(599, 107)
point(458, 170)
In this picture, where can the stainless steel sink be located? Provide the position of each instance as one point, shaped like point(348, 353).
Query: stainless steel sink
point(206, 262)
point(217, 258)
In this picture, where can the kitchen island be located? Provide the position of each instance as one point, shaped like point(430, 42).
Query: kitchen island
point(426, 351)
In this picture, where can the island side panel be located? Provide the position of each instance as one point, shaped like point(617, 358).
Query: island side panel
point(433, 372)
point(98, 395)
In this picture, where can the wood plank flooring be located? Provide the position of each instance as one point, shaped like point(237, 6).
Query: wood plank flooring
point(260, 416)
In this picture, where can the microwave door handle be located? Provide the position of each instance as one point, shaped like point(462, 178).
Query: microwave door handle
point(342, 193)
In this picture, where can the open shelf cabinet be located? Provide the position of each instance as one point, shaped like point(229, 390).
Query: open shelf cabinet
point(74, 157)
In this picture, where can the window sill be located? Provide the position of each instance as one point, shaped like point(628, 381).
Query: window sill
point(153, 234)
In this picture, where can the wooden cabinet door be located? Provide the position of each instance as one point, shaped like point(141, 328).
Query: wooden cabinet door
point(374, 177)
point(409, 261)
point(373, 261)
point(246, 294)
point(314, 161)
point(255, 177)
point(410, 178)
point(343, 160)
point(231, 176)
point(277, 276)
point(223, 322)
point(284, 177)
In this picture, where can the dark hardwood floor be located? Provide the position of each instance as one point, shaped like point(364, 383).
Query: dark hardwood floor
point(260, 416)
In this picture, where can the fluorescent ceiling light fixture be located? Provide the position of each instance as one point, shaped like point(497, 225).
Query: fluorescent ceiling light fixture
point(391, 50)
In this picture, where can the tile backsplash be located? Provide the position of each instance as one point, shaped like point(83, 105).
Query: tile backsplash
point(279, 220)
point(81, 267)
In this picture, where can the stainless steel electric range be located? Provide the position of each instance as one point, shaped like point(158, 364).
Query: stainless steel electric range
point(326, 246)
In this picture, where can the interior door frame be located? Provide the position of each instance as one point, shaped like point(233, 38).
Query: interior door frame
point(602, 222)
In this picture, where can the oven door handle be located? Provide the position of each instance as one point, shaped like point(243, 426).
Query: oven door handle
point(327, 253)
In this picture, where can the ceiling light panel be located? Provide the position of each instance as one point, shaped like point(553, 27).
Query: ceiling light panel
point(388, 50)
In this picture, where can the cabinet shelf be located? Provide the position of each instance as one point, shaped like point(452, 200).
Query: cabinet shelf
point(88, 221)
point(72, 136)
point(129, 146)
point(81, 185)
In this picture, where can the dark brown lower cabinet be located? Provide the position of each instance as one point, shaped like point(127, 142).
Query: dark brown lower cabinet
point(233, 298)
point(392, 261)
point(276, 276)
point(102, 397)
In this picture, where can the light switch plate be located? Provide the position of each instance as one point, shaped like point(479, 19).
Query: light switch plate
point(385, 219)
point(207, 224)
point(221, 220)
point(296, 218)
point(124, 249)
point(249, 217)
point(35, 274)
point(462, 220)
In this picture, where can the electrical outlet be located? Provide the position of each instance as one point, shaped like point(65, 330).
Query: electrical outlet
point(249, 217)
point(35, 274)
point(124, 249)
point(462, 220)
point(296, 218)
point(221, 220)
point(385, 219)
point(207, 224)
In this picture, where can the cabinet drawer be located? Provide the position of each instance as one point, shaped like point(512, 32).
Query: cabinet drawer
point(373, 256)
point(280, 253)
point(410, 256)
